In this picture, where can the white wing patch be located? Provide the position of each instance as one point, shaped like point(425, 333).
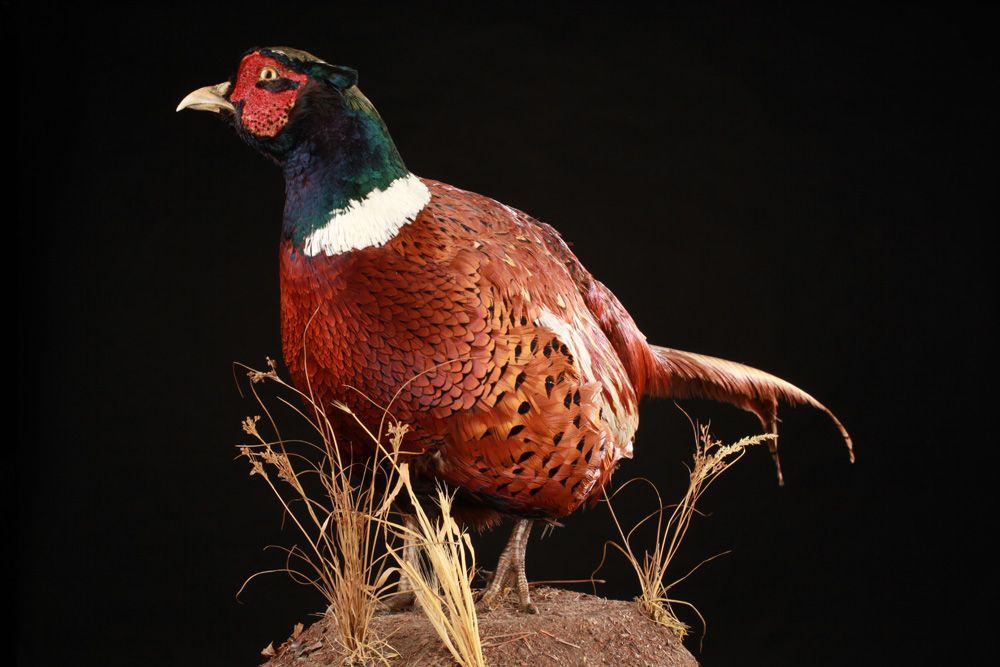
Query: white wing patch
point(372, 221)
point(569, 334)
point(620, 409)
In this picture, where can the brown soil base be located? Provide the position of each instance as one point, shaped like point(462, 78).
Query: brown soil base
point(570, 629)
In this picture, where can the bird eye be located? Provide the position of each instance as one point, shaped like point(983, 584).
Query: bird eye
point(268, 74)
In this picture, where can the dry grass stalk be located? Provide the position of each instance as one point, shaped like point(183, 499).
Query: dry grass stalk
point(344, 511)
point(441, 578)
point(711, 459)
point(338, 508)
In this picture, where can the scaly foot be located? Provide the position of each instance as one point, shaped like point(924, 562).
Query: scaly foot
point(510, 572)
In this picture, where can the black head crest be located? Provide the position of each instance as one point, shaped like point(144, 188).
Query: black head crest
point(337, 76)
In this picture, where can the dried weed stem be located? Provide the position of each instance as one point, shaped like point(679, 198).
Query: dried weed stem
point(711, 459)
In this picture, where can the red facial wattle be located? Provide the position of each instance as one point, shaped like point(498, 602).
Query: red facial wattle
point(264, 112)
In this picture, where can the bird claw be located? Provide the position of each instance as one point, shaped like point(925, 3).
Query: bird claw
point(491, 596)
point(483, 603)
point(509, 574)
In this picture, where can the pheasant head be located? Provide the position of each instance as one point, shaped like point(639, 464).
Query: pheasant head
point(310, 118)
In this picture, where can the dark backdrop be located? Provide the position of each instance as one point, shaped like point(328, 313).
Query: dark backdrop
point(804, 193)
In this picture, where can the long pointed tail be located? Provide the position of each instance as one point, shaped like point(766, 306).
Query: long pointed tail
point(682, 374)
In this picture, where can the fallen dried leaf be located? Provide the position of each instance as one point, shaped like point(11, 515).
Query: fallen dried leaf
point(268, 651)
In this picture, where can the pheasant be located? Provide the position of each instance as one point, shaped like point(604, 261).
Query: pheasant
point(519, 373)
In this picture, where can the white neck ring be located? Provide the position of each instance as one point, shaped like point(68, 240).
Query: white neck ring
point(371, 221)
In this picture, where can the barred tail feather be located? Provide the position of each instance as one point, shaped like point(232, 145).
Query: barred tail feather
point(680, 374)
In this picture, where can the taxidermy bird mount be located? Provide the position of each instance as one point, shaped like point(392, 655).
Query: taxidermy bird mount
point(518, 372)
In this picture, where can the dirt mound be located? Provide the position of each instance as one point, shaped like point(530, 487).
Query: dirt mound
point(570, 629)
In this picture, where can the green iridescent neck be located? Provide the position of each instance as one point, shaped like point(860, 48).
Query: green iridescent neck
point(343, 152)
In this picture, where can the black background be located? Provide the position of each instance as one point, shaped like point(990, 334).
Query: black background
point(802, 192)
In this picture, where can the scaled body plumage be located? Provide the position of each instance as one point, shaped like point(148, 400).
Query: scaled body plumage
point(470, 323)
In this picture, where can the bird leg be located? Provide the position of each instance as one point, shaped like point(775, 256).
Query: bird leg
point(404, 596)
point(510, 571)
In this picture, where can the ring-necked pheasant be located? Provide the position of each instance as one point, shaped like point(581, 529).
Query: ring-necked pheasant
point(519, 373)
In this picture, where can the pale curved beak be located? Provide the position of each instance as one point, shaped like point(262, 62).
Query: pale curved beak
point(209, 98)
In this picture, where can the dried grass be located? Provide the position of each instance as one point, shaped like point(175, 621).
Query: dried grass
point(344, 511)
point(711, 459)
point(442, 578)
